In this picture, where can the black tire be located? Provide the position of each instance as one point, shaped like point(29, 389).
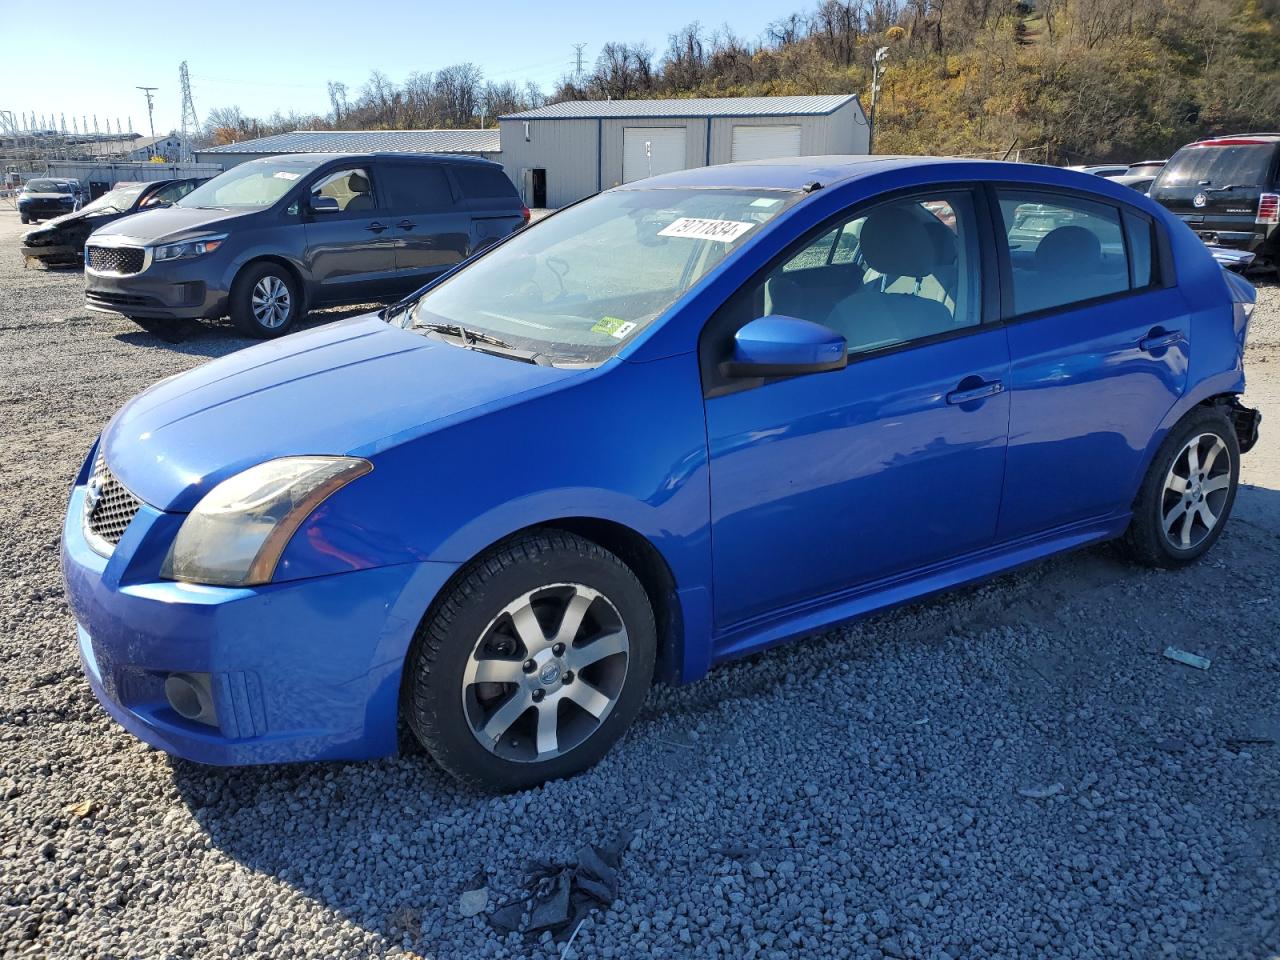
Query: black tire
point(441, 709)
point(1146, 541)
point(25, 219)
point(243, 291)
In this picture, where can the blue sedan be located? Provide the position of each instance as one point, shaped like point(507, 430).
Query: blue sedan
point(676, 423)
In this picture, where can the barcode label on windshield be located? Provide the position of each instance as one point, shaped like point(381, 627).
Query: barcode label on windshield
point(726, 231)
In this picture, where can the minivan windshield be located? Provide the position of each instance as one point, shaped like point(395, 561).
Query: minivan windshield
point(47, 186)
point(255, 185)
point(575, 288)
point(1242, 164)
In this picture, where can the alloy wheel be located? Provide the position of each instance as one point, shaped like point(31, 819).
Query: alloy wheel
point(271, 302)
point(545, 673)
point(1195, 491)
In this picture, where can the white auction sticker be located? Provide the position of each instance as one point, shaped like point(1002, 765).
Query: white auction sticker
point(726, 231)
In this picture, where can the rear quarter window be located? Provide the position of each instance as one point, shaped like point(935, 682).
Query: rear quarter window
point(484, 183)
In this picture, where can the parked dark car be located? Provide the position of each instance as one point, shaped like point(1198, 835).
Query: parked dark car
point(46, 197)
point(272, 238)
point(1228, 191)
point(61, 240)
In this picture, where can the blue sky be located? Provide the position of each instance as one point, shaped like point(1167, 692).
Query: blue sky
point(268, 55)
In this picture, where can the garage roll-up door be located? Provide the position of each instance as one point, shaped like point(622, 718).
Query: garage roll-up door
point(766, 142)
point(649, 151)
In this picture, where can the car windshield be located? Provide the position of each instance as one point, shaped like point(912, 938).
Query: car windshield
point(115, 201)
point(576, 287)
point(249, 186)
point(1239, 164)
point(48, 186)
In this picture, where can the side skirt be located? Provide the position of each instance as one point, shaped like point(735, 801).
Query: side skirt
point(831, 610)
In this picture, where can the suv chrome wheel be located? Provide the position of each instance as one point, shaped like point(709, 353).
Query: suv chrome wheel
point(545, 672)
point(1195, 491)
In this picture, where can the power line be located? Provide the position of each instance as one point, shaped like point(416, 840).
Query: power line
point(577, 58)
point(190, 122)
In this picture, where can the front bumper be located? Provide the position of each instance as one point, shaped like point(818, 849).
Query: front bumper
point(299, 671)
point(44, 211)
point(53, 253)
point(176, 290)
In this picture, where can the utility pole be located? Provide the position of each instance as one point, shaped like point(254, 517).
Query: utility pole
point(190, 122)
point(876, 71)
point(577, 62)
point(151, 107)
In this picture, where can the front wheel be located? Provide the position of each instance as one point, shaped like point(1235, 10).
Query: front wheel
point(533, 665)
point(1188, 492)
point(24, 218)
point(265, 300)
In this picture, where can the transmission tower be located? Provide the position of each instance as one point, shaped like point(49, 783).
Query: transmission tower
point(190, 122)
point(151, 106)
point(577, 61)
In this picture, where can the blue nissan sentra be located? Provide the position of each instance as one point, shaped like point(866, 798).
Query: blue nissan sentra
point(673, 424)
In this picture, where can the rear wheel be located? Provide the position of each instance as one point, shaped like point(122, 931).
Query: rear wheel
point(533, 665)
point(265, 301)
point(25, 218)
point(1188, 492)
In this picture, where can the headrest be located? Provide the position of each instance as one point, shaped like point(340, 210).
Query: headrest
point(944, 242)
point(1069, 249)
point(895, 243)
point(357, 183)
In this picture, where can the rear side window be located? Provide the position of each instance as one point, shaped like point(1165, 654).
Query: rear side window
point(1245, 164)
point(484, 183)
point(1063, 250)
point(417, 188)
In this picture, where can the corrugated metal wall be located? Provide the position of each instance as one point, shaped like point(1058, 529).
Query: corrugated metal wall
point(583, 156)
point(566, 149)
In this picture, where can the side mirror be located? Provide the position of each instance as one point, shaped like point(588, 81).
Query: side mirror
point(324, 205)
point(778, 346)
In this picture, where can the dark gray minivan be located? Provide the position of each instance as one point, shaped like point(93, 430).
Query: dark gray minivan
point(271, 238)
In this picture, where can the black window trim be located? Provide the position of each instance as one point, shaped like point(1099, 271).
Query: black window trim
point(1161, 251)
point(715, 384)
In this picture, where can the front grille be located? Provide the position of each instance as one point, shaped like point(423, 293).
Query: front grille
point(108, 506)
point(116, 259)
point(108, 298)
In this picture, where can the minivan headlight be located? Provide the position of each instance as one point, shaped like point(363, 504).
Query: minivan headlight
point(188, 248)
point(237, 532)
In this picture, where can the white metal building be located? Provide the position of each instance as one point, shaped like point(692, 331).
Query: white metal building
point(566, 151)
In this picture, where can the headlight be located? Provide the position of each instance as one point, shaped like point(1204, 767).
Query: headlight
point(237, 532)
point(188, 248)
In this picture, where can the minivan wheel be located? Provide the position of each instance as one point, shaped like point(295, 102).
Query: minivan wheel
point(1188, 492)
point(265, 300)
point(24, 218)
point(533, 665)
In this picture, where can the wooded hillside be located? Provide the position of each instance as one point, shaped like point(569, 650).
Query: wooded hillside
point(1060, 81)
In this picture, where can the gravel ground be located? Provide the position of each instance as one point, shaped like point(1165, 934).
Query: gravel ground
point(859, 793)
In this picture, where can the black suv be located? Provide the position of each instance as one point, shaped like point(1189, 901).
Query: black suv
point(271, 238)
point(1228, 191)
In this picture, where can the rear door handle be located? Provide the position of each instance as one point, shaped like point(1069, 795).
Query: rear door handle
point(989, 389)
point(1159, 341)
point(406, 224)
point(376, 227)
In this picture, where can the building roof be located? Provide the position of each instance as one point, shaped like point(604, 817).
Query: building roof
point(369, 141)
point(688, 107)
point(121, 145)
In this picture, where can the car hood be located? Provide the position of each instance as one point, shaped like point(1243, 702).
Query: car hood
point(167, 223)
point(355, 387)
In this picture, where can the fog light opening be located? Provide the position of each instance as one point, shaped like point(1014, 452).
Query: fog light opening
point(191, 697)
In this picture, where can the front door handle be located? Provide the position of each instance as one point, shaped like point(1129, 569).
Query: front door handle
point(1159, 340)
point(989, 389)
point(376, 227)
point(406, 224)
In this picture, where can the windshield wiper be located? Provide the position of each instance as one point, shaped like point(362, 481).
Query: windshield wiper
point(477, 340)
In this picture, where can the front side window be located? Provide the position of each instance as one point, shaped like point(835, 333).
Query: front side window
point(1062, 250)
point(352, 189)
point(577, 286)
point(898, 272)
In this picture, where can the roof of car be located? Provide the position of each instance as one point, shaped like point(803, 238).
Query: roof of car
point(1237, 140)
